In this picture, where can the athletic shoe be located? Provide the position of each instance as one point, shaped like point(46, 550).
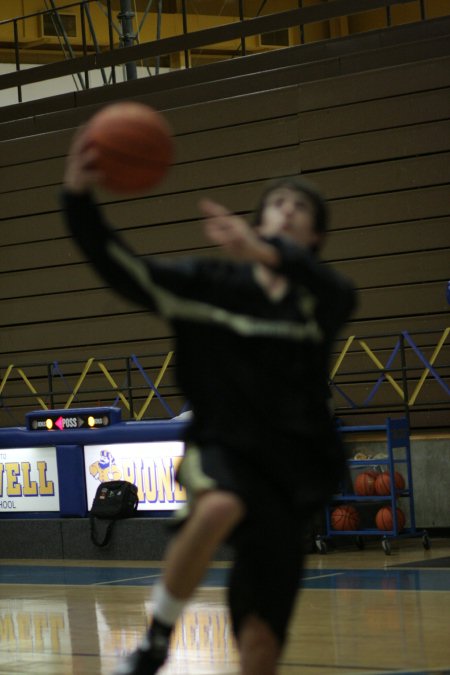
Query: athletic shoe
point(149, 656)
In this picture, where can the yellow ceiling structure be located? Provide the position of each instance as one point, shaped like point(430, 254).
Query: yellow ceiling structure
point(38, 40)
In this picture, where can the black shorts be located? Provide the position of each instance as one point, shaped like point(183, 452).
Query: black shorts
point(299, 481)
point(269, 543)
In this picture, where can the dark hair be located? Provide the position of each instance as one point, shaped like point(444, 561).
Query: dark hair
point(297, 185)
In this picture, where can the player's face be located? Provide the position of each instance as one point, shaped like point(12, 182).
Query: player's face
point(289, 214)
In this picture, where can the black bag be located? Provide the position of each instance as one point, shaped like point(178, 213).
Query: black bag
point(113, 500)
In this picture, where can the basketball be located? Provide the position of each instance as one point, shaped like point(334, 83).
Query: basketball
point(364, 484)
point(384, 519)
point(345, 518)
point(383, 483)
point(134, 145)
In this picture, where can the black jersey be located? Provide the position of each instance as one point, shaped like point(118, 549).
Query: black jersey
point(253, 369)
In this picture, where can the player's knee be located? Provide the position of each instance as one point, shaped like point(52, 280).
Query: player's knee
point(219, 510)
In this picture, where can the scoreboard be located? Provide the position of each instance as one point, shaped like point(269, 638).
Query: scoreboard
point(80, 418)
point(56, 462)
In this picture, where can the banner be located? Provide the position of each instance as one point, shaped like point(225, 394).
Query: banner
point(150, 466)
point(28, 480)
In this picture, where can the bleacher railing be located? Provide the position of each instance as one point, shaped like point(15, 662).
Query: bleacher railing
point(371, 375)
point(124, 51)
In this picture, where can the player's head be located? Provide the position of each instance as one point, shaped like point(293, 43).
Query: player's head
point(295, 209)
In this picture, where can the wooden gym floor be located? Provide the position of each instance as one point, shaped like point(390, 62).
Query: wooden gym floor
point(359, 613)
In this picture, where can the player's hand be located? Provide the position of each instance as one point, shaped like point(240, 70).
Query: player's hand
point(80, 172)
point(235, 235)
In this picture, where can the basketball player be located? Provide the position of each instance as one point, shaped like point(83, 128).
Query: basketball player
point(254, 332)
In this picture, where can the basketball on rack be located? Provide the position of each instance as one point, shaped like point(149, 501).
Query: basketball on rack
point(385, 521)
point(134, 146)
point(345, 518)
point(383, 483)
point(364, 484)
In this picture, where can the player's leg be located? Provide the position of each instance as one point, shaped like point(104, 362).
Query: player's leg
point(213, 510)
point(213, 517)
point(259, 647)
point(263, 587)
point(214, 514)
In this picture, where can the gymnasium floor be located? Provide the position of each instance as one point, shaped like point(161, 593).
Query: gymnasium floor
point(360, 613)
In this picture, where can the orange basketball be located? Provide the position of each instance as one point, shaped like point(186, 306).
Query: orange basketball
point(384, 519)
point(383, 483)
point(345, 518)
point(364, 484)
point(134, 145)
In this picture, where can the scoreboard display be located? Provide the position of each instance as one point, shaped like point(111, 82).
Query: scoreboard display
point(75, 418)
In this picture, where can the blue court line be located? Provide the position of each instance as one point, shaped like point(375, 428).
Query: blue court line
point(407, 579)
point(367, 670)
point(435, 671)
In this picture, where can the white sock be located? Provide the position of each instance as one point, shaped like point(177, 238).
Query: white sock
point(167, 609)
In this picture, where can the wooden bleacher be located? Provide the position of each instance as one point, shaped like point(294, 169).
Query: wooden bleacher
point(366, 117)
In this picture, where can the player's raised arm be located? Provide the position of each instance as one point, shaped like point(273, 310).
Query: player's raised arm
point(126, 148)
point(81, 174)
point(112, 257)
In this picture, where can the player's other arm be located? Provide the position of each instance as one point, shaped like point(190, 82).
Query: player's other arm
point(235, 236)
point(242, 242)
point(297, 264)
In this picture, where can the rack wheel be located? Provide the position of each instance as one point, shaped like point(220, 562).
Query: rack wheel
point(386, 545)
point(426, 541)
point(321, 545)
point(360, 543)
